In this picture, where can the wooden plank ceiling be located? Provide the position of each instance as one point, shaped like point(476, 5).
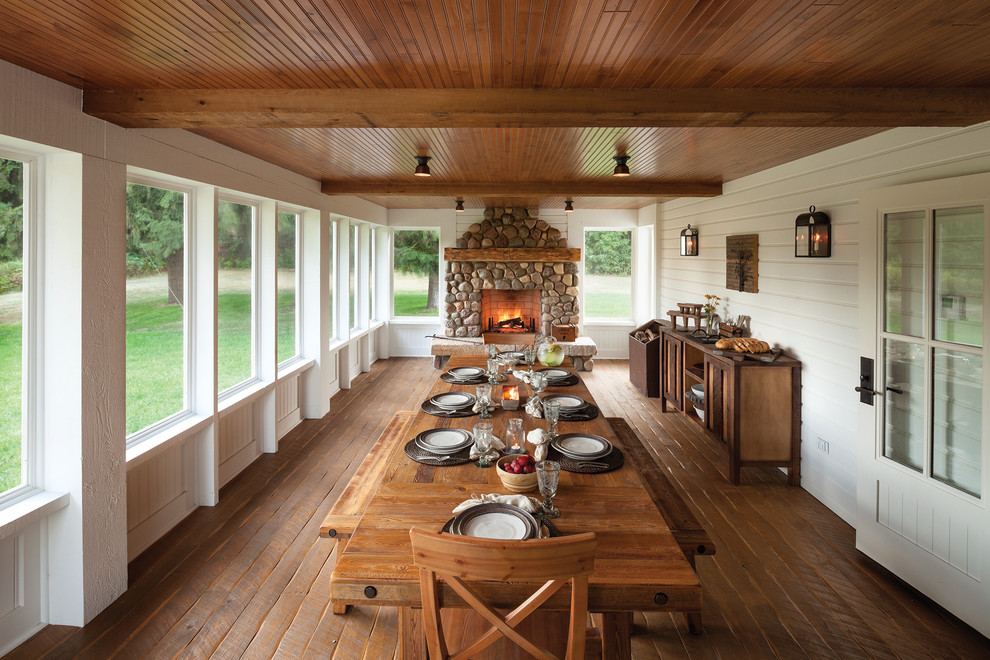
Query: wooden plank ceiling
point(538, 95)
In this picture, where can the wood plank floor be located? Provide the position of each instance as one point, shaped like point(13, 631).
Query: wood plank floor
point(249, 577)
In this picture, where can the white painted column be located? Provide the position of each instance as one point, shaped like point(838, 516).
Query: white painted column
point(83, 427)
point(313, 304)
point(202, 264)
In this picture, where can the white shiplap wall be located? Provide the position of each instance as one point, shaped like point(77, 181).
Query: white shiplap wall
point(809, 307)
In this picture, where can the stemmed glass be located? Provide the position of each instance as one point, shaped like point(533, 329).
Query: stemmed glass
point(529, 357)
point(482, 432)
point(548, 476)
point(493, 364)
point(483, 393)
point(551, 411)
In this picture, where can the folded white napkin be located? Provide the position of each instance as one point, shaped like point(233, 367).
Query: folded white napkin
point(477, 407)
point(539, 438)
point(493, 453)
point(527, 504)
point(534, 407)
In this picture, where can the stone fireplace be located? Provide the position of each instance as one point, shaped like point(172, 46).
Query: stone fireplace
point(515, 252)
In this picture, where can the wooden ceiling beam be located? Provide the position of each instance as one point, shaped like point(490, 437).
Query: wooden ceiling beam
point(474, 108)
point(605, 188)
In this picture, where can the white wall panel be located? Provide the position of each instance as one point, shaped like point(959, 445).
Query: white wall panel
point(237, 440)
point(22, 557)
point(412, 339)
point(287, 411)
point(612, 340)
point(159, 495)
point(809, 307)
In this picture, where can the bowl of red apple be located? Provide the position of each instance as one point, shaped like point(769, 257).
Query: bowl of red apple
point(517, 472)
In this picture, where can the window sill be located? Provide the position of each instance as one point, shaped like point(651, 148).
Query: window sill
point(159, 442)
point(605, 322)
point(294, 367)
point(35, 505)
point(243, 395)
point(415, 320)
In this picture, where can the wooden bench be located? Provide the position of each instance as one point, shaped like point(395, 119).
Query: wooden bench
point(687, 531)
point(350, 506)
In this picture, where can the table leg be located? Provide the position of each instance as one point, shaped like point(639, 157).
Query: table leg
point(616, 629)
point(412, 639)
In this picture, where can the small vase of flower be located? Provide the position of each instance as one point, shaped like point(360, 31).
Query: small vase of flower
point(710, 309)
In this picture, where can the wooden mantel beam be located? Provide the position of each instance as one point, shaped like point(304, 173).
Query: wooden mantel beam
point(606, 188)
point(520, 108)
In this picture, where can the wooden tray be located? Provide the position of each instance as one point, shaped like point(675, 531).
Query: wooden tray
point(739, 357)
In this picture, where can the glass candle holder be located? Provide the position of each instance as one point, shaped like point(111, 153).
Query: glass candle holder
point(514, 437)
point(510, 397)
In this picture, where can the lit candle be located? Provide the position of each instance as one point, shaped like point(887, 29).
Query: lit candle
point(510, 397)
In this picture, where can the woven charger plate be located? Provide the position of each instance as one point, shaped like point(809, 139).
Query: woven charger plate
point(552, 531)
point(613, 461)
point(437, 411)
point(420, 455)
point(585, 414)
point(573, 379)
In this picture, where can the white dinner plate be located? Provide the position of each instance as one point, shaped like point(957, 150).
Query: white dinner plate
point(553, 373)
point(582, 446)
point(568, 402)
point(466, 373)
point(444, 440)
point(453, 400)
point(496, 521)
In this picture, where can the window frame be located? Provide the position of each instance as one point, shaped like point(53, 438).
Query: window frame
point(586, 318)
point(32, 321)
point(224, 396)
point(281, 208)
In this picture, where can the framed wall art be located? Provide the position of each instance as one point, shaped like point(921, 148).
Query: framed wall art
point(742, 262)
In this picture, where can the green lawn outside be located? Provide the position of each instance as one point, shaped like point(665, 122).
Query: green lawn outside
point(607, 296)
point(406, 303)
point(10, 406)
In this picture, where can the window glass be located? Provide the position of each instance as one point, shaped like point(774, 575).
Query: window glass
point(416, 280)
point(352, 276)
point(608, 274)
point(156, 320)
point(235, 294)
point(11, 322)
point(287, 223)
point(904, 273)
point(371, 274)
point(332, 269)
point(959, 275)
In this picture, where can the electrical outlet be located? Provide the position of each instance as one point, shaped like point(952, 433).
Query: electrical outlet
point(823, 445)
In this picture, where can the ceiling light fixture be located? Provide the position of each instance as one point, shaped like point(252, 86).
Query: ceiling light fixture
point(422, 169)
point(621, 169)
point(459, 206)
point(568, 206)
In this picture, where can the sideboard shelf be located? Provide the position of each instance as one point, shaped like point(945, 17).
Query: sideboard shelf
point(752, 407)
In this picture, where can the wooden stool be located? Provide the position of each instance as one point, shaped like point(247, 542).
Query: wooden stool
point(686, 311)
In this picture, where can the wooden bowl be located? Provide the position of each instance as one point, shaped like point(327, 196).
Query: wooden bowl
point(517, 483)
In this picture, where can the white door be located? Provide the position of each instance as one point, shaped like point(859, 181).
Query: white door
point(924, 456)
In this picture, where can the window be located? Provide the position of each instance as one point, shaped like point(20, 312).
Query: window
point(287, 232)
point(608, 274)
point(371, 275)
point(332, 270)
point(416, 276)
point(352, 276)
point(155, 371)
point(12, 177)
point(235, 293)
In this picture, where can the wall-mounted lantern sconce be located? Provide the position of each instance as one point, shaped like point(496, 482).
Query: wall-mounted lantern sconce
point(689, 242)
point(813, 234)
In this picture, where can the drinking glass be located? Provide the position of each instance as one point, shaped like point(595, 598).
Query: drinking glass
point(548, 476)
point(551, 411)
point(484, 396)
point(491, 350)
point(529, 357)
point(482, 432)
point(493, 364)
point(514, 437)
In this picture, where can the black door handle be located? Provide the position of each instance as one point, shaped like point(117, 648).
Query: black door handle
point(864, 390)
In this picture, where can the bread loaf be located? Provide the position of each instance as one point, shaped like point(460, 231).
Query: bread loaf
point(743, 345)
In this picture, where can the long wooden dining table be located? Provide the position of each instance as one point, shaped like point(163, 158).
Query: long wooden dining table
point(639, 565)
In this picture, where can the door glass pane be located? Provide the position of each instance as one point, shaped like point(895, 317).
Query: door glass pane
point(11, 320)
point(959, 275)
point(287, 286)
point(904, 273)
point(958, 420)
point(155, 373)
point(235, 295)
point(904, 412)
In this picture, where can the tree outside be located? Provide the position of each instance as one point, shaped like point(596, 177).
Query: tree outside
point(416, 262)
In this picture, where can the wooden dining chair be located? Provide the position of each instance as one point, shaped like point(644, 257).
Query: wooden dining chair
point(462, 559)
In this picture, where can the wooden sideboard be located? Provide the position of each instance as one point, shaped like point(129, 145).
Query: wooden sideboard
point(751, 406)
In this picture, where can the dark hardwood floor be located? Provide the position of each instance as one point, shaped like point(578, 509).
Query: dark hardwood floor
point(249, 577)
